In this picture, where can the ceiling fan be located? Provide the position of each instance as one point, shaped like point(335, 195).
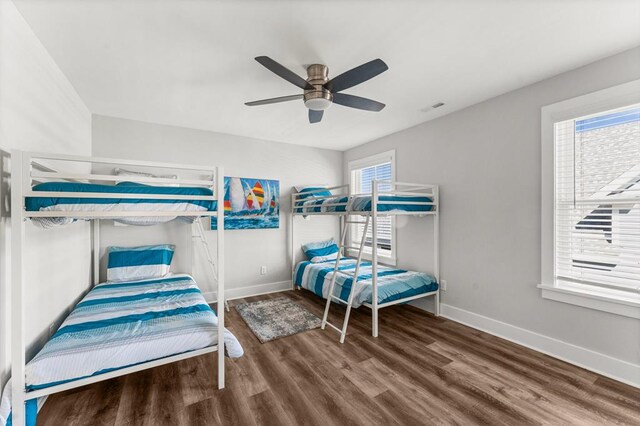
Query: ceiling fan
point(320, 92)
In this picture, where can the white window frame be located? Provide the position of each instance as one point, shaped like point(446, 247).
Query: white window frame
point(613, 301)
point(361, 163)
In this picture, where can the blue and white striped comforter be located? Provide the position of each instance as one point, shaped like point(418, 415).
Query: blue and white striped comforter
point(393, 284)
point(362, 203)
point(77, 204)
point(119, 324)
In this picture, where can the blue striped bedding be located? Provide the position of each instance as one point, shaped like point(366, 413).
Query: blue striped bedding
point(393, 284)
point(64, 204)
point(362, 203)
point(119, 324)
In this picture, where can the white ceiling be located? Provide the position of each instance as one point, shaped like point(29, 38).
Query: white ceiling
point(190, 63)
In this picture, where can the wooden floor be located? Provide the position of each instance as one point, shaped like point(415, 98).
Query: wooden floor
point(423, 370)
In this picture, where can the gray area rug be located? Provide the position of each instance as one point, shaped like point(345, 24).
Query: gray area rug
point(275, 318)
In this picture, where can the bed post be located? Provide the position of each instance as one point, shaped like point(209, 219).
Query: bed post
point(291, 251)
point(374, 258)
point(95, 250)
point(340, 242)
point(18, 175)
point(220, 278)
point(436, 247)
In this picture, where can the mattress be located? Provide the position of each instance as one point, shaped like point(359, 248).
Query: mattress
point(71, 204)
point(393, 284)
point(120, 324)
point(362, 203)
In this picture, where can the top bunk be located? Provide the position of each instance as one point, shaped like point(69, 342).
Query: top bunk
point(387, 198)
point(56, 189)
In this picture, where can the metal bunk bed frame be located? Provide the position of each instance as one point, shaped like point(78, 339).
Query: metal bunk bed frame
point(27, 168)
point(389, 188)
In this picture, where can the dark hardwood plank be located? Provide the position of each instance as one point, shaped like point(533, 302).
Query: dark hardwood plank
point(265, 411)
point(421, 370)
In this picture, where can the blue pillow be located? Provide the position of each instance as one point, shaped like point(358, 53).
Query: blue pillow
point(137, 263)
point(306, 193)
point(321, 251)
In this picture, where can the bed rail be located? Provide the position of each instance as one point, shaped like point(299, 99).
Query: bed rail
point(44, 167)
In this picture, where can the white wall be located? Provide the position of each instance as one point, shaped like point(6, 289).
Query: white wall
point(246, 250)
point(487, 160)
point(39, 110)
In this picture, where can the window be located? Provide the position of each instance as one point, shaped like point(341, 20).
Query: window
point(597, 181)
point(596, 204)
point(362, 173)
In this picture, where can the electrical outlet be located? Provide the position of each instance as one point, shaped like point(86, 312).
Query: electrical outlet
point(263, 270)
point(443, 285)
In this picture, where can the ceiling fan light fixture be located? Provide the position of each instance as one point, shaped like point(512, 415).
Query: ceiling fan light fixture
point(318, 104)
point(318, 100)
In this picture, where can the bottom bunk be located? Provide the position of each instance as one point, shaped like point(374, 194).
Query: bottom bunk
point(122, 324)
point(393, 284)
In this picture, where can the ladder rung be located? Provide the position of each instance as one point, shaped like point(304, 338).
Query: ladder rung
point(352, 248)
point(349, 274)
point(334, 327)
point(337, 298)
point(361, 222)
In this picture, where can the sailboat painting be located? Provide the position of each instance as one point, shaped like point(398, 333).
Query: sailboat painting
point(250, 203)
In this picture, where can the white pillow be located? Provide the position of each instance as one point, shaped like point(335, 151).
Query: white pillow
point(133, 173)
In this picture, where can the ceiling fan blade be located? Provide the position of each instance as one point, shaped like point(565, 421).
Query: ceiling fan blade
point(357, 102)
point(356, 75)
point(283, 72)
point(275, 100)
point(315, 116)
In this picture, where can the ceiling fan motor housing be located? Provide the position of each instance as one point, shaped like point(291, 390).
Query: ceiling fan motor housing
point(319, 98)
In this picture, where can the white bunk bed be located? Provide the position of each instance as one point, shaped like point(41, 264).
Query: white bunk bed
point(387, 198)
point(29, 168)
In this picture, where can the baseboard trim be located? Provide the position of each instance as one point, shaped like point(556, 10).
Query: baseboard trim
point(249, 291)
point(605, 365)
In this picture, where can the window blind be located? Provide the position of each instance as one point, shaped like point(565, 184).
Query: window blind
point(363, 178)
point(597, 199)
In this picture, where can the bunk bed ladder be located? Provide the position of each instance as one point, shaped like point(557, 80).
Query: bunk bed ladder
point(207, 250)
point(354, 278)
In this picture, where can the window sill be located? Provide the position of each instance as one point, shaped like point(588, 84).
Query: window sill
point(612, 301)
